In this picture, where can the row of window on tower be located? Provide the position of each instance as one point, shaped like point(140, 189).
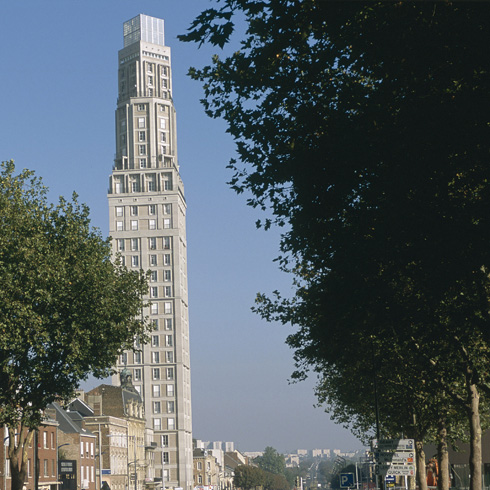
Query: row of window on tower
point(154, 243)
point(145, 210)
point(150, 224)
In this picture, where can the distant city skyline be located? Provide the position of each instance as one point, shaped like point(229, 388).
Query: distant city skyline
point(59, 85)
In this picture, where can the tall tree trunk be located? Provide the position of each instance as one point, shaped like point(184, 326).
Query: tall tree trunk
point(475, 436)
point(18, 456)
point(443, 482)
point(421, 474)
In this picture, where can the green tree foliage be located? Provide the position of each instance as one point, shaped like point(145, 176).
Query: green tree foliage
point(248, 477)
point(66, 309)
point(363, 127)
point(271, 461)
point(274, 481)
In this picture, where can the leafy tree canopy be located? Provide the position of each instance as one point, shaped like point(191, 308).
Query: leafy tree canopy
point(271, 461)
point(373, 150)
point(66, 309)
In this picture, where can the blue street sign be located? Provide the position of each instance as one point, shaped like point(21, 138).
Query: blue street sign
point(346, 480)
point(390, 479)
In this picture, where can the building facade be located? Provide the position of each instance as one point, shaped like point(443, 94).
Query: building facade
point(147, 222)
point(43, 449)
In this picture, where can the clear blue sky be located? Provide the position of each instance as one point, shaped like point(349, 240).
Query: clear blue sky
point(59, 89)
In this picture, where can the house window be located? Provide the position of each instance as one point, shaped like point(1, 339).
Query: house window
point(199, 465)
point(163, 123)
point(170, 390)
point(45, 440)
point(169, 356)
point(170, 373)
point(152, 243)
point(166, 223)
point(167, 275)
point(134, 244)
point(163, 137)
point(142, 149)
point(157, 424)
point(152, 224)
point(166, 242)
point(167, 209)
point(157, 407)
point(155, 357)
point(169, 341)
point(135, 186)
point(141, 122)
point(199, 479)
point(170, 407)
point(134, 261)
point(155, 374)
point(154, 309)
point(156, 391)
point(134, 225)
point(153, 260)
point(168, 324)
point(152, 186)
point(166, 259)
point(154, 276)
point(171, 424)
point(167, 308)
point(164, 441)
point(46, 467)
point(154, 292)
point(141, 136)
point(142, 162)
point(137, 357)
point(119, 226)
point(120, 244)
point(119, 211)
point(152, 210)
point(141, 107)
point(137, 374)
point(155, 340)
point(167, 291)
point(154, 324)
point(165, 458)
point(134, 210)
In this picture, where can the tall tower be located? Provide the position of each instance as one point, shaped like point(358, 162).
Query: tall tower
point(147, 213)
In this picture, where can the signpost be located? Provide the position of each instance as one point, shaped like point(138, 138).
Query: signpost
point(346, 480)
point(395, 457)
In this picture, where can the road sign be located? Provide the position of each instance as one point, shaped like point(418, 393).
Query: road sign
point(396, 457)
point(394, 445)
point(397, 469)
point(346, 480)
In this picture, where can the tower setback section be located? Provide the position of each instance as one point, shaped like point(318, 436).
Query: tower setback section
point(147, 213)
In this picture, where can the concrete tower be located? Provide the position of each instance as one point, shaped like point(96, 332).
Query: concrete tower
point(147, 213)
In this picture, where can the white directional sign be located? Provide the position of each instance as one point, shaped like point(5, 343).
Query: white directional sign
point(398, 469)
point(397, 457)
point(394, 445)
